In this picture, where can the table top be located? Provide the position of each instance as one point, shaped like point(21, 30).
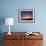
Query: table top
point(22, 35)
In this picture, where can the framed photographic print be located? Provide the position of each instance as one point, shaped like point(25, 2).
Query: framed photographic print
point(26, 15)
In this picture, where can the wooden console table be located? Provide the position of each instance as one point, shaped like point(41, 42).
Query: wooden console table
point(20, 39)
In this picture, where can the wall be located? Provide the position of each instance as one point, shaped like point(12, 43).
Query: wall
point(9, 8)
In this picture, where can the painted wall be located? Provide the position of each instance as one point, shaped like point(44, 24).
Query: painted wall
point(9, 8)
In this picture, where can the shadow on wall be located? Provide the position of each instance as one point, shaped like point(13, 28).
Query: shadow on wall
point(2, 21)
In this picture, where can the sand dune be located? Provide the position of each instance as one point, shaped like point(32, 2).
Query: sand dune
point(26, 17)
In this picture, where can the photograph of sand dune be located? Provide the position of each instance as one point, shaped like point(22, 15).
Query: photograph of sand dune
point(26, 15)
